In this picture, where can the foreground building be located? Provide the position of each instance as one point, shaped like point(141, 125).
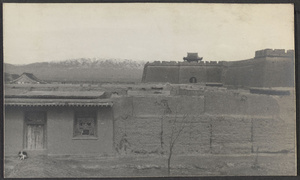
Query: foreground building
point(58, 123)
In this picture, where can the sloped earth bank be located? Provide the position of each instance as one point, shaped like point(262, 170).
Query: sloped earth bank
point(151, 165)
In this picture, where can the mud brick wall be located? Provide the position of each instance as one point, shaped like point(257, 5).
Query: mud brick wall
point(174, 72)
point(161, 74)
point(141, 121)
point(214, 73)
point(218, 123)
point(279, 72)
point(230, 134)
point(144, 135)
point(122, 111)
point(194, 138)
point(186, 72)
point(236, 103)
point(153, 134)
point(182, 104)
point(260, 72)
point(190, 92)
point(137, 135)
point(273, 135)
point(244, 73)
point(122, 107)
point(203, 73)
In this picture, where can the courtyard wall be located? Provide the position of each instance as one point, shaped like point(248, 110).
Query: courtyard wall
point(216, 123)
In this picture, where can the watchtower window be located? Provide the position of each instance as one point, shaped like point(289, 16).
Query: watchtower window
point(193, 80)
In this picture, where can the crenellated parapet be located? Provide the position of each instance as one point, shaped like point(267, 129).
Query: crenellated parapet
point(185, 63)
point(274, 53)
point(202, 63)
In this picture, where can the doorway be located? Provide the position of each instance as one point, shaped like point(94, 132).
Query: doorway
point(35, 130)
point(193, 80)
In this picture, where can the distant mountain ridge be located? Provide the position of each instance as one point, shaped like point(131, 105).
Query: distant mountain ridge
point(83, 70)
point(100, 62)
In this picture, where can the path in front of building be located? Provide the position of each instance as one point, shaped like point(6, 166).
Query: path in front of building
point(42, 166)
point(150, 165)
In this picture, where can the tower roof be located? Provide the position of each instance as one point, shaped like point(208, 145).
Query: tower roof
point(192, 57)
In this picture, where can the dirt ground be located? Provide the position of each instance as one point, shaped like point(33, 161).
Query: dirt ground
point(150, 165)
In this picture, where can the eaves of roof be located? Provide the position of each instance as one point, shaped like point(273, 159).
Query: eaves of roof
point(24, 102)
point(55, 94)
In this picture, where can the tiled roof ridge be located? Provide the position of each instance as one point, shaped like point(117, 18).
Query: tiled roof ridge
point(29, 75)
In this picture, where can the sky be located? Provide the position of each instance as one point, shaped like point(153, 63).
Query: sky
point(143, 31)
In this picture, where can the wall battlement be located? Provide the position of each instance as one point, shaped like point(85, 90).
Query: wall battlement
point(274, 53)
point(185, 63)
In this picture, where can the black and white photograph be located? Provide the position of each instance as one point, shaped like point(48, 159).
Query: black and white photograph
point(95, 90)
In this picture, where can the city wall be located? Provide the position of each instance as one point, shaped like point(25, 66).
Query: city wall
point(269, 68)
point(181, 72)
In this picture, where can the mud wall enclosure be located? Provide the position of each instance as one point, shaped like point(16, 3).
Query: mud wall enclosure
point(214, 122)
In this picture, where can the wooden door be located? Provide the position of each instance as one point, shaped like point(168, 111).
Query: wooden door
point(35, 130)
point(35, 136)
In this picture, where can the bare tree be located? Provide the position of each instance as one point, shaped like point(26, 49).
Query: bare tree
point(166, 111)
point(176, 131)
point(255, 164)
point(178, 126)
point(124, 144)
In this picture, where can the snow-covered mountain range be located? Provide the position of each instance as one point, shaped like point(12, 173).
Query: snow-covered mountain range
point(83, 69)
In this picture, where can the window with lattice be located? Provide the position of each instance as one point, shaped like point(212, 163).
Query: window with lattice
point(85, 124)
